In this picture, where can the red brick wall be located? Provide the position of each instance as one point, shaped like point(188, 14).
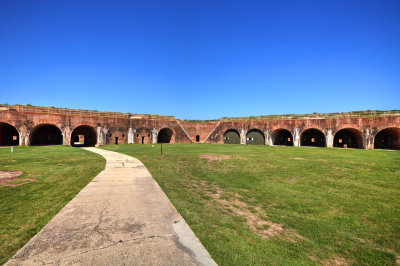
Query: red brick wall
point(212, 132)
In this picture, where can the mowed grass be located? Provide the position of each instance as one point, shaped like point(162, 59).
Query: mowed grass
point(283, 205)
point(61, 172)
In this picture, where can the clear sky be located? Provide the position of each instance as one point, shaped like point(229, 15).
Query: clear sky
point(201, 59)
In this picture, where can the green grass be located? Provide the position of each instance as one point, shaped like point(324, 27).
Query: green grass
point(334, 205)
point(61, 172)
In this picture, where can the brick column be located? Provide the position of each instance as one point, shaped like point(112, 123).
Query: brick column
point(329, 138)
point(243, 133)
point(296, 137)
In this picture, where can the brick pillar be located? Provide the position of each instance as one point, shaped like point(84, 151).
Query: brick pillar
point(66, 133)
point(23, 136)
point(154, 134)
point(296, 137)
point(368, 137)
point(329, 138)
point(101, 135)
point(268, 138)
point(243, 136)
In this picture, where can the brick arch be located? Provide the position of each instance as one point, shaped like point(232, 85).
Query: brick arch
point(9, 135)
point(313, 136)
point(388, 138)
point(226, 127)
point(231, 136)
point(380, 127)
point(85, 123)
point(165, 135)
point(255, 136)
point(348, 137)
point(11, 123)
point(289, 128)
point(89, 133)
point(344, 126)
point(57, 124)
point(223, 128)
point(317, 127)
point(45, 134)
point(282, 136)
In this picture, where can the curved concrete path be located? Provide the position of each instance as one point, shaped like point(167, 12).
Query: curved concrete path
point(122, 217)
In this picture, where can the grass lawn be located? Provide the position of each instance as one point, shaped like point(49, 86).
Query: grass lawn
point(283, 205)
point(61, 172)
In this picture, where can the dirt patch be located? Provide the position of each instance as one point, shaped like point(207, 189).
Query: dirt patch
point(7, 177)
point(265, 229)
point(9, 174)
point(213, 158)
point(292, 179)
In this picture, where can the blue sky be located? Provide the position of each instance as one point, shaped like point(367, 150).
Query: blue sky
point(201, 59)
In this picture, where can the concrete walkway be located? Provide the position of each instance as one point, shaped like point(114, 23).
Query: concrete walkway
point(122, 217)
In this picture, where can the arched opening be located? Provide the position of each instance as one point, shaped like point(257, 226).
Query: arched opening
point(313, 137)
point(9, 135)
point(255, 137)
point(197, 138)
point(231, 136)
point(348, 138)
point(143, 136)
point(46, 134)
point(84, 136)
point(164, 136)
point(388, 138)
point(282, 137)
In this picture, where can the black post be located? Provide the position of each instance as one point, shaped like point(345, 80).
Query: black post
point(161, 148)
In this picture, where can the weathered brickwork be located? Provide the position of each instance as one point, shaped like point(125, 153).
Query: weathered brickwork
point(107, 129)
point(365, 127)
point(201, 130)
point(356, 132)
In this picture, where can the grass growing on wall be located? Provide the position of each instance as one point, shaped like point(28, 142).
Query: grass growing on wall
point(283, 205)
point(61, 172)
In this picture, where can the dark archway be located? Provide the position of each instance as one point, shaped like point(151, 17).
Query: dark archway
point(255, 137)
point(197, 138)
point(231, 136)
point(84, 136)
point(349, 138)
point(282, 137)
point(388, 138)
point(46, 134)
point(9, 135)
point(313, 137)
point(164, 136)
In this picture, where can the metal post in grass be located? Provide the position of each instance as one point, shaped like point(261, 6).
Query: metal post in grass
point(161, 148)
